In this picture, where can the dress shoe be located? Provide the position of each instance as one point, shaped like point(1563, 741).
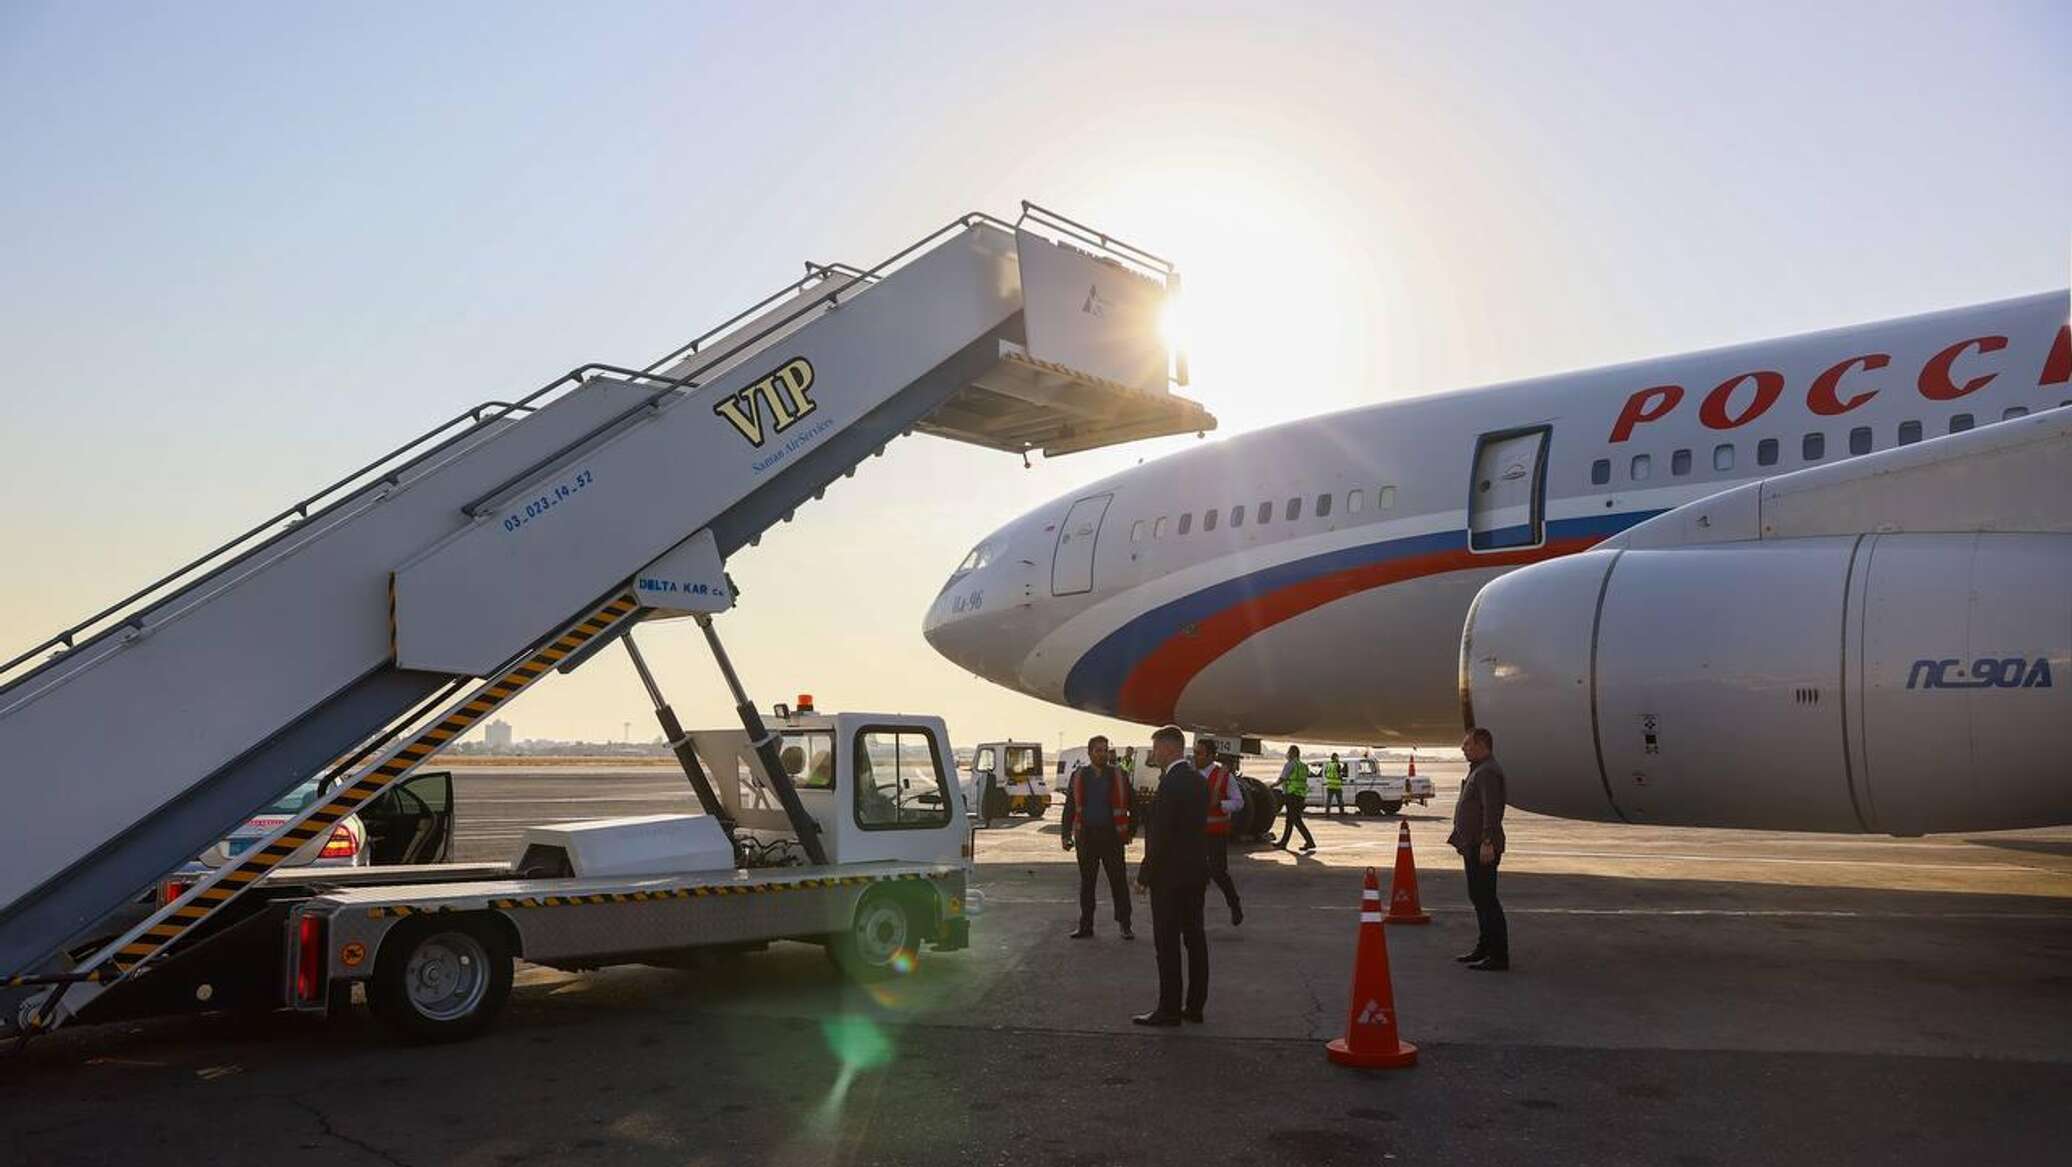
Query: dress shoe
point(1492, 964)
point(1470, 957)
point(1237, 914)
point(1127, 934)
point(1081, 933)
point(1156, 1018)
point(1193, 1015)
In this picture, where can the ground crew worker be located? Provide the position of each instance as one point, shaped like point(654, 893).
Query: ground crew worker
point(1226, 799)
point(1097, 825)
point(1478, 834)
point(1294, 784)
point(1334, 785)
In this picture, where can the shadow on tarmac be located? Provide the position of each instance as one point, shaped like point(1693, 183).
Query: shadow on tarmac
point(2036, 846)
point(1646, 1021)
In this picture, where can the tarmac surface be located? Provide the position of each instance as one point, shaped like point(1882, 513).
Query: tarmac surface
point(1677, 996)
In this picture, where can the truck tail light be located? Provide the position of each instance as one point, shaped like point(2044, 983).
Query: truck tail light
point(342, 844)
point(309, 960)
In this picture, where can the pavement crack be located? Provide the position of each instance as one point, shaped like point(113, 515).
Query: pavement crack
point(1317, 1009)
point(324, 1126)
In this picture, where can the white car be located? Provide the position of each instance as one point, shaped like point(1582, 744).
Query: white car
point(411, 822)
point(345, 846)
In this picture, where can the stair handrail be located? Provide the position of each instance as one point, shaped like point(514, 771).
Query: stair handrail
point(68, 639)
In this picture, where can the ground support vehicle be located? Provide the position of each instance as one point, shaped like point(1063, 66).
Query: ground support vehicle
point(437, 956)
point(1007, 779)
point(356, 633)
point(1373, 792)
point(435, 943)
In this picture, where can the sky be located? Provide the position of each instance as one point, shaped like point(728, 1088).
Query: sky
point(247, 247)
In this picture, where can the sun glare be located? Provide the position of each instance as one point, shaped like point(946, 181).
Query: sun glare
point(1172, 323)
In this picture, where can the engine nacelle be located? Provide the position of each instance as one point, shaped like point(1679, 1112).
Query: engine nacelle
point(1896, 683)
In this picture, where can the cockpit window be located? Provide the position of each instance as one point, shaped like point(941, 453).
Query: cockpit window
point(979, 557)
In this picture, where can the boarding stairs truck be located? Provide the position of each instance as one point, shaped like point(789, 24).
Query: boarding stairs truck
point(364, 627)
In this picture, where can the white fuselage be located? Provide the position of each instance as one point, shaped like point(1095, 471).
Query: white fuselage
point(1331, 608)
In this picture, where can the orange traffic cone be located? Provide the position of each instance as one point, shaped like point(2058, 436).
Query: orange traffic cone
point(1403, 905)
point(1370, 1037)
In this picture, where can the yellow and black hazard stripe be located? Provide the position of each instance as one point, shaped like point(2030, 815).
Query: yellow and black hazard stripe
point(515, 903)
point(397, 762)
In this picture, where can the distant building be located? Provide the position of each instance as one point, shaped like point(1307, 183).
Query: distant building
point(498, 735)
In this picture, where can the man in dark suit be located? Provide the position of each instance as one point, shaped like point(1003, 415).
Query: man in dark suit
point(1478, 834)
point(1175, 872)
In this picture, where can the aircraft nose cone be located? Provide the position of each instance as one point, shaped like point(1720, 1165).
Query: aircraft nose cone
point(960, 636)
point(975, 636)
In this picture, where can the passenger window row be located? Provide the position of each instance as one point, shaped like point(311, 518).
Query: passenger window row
point(1812, 448)
point(1266, 511)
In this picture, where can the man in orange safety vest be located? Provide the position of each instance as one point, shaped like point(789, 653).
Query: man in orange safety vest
point(1226, 800)
point(1097, 824)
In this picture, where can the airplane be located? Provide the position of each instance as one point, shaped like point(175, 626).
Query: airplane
point(1310, 580)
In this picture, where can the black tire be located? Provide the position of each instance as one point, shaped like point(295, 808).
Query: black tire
point(441, 979)
point(338, 1000)
point(1368, 802)
point(1034, 807)
point(1258, 808)
point(883, 939)
point(993, 805)
point(1391, 807)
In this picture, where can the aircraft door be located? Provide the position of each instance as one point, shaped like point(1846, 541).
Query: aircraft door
point(1072, 565)
point(1508, 493)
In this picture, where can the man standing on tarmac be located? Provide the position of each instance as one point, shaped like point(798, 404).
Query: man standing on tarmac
point(1097, 824)
point(1175, 872)
point(1334, 785)
point(1478, 834)
point(1294, 785)
point(1226, 798)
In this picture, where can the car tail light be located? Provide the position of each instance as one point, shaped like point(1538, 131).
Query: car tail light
point(342, 844)
point(172, 889)
point(309, 960)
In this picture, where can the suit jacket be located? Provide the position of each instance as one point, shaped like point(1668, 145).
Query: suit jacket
point(1479, 814)
point(1176, 846)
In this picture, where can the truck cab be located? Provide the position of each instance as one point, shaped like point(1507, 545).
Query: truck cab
point(1007, 779)
point(879, 787)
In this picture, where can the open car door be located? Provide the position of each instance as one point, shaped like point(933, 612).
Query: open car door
point(412, 821)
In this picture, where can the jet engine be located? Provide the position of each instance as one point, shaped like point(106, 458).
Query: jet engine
point(1900, 683)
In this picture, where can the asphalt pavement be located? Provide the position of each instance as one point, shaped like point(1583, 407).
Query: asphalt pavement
point(1677, 996)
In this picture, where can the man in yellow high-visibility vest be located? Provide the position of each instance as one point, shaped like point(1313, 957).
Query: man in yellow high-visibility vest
point(1294, 784)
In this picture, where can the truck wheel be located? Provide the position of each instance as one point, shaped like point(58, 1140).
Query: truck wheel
point(1368, 802)
point(1035, 807)
point(1391, 807)
point(883, 939)
point(993, 805)
point(441, 980)
point(1258, 809)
